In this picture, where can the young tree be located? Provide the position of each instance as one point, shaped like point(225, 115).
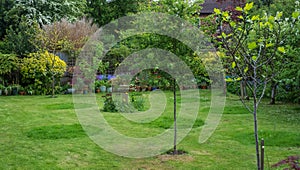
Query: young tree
point(188, 10)
point(255, 44)
point(283, 75)
point(64, 36)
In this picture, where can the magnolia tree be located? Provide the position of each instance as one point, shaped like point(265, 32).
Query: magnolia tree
point(256, 45)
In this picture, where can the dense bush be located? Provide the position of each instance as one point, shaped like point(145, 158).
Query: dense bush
point(8, 63)
point(37, 70)
point(136, 102)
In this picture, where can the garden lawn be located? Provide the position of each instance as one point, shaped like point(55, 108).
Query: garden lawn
point(37, 132)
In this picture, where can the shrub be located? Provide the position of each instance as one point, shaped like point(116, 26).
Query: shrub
point(37, 70)
point(109, 105)
point(137, 102)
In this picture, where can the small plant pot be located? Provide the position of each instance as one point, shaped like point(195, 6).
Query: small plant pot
point(5, 92)
point(22, 93)
point(203, 87)
point(154, 88)
point(30, 92)
point(79, 91)
point(103, 88)
point(14, 91)
point(138, 88)
point(71, 90)
point(109, 89)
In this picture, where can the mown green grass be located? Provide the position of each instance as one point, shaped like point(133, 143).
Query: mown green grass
point(38, 132)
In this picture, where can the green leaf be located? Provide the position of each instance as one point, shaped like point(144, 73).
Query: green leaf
point(217, 11)
point(260, 40)
point(232, 24)
point(271, 19)
point(229, 80)
point(240, 17)
point(261, 24)
point(255, 17)
point(225, 14)
point(239, 78)
point(233, 64)
point(269, 45)
point(239, 8)
point(252, 45)
point(281, 49)
point(245, 70)
point(295, 14)
point(254, 58)
point(223, 35)
point(248, 6)
point(279, 15)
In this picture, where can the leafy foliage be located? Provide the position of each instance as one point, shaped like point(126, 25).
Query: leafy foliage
point(137, 102)
point(46, 12)
point(256, 45)
point(66, 36)
point(5, 6)
point(103, 11)
point(8, 63)
point(38, 68)
point(21, 39)
point(188, 10)
point(272, 6)
point(14, 14)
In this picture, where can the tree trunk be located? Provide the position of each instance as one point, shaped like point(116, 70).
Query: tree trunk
point(225, 85)
point(53, 86)
point(256, 136)
point(244, 94)
point(273, 92)
point(242, 90)
point(175, 120)
point(255, 104)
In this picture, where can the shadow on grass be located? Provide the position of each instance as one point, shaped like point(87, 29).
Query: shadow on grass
point(167, 122)
point(63, 106)
point(235, 110)
point(271, 138)
point(57, 132)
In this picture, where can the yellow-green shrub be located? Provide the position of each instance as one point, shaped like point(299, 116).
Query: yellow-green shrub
point(37, 70)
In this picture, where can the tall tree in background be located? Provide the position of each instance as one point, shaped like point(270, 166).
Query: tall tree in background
point(21, 20)
point(46, 12)
point(272, 6)
point(104, 11)
point(20, 39)
point(5, 6)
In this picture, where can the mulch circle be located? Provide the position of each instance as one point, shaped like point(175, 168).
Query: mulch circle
point(178, 152)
